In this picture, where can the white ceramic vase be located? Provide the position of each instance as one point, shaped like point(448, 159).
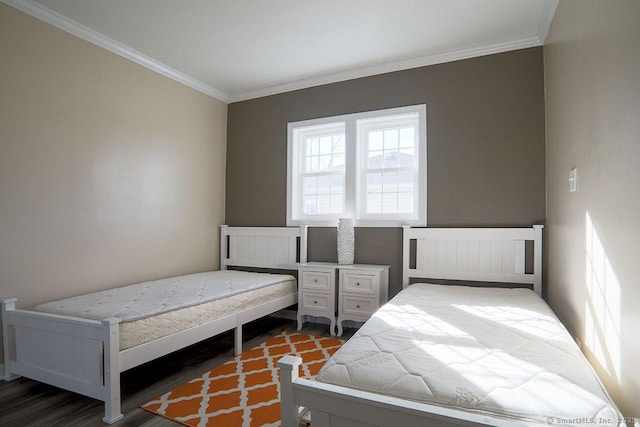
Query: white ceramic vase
point(346, 241)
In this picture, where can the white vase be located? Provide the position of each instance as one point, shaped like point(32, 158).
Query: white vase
point(346, 241)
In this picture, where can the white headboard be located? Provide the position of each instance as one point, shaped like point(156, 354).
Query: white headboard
point(474, 254)
point(262, 247)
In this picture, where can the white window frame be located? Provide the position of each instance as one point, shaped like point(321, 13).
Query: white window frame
point(355, 168)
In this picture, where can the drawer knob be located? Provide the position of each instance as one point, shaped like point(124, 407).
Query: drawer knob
point(357, 283)
point(315, 302)
point(358, 306)
point(315, 280)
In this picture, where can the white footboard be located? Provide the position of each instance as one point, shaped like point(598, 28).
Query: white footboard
point(337, 406)
point(75, 354)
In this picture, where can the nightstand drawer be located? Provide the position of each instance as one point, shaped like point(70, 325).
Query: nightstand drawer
point(359, 306)
point(316, 280)
point(317, 302)
point(361, 283)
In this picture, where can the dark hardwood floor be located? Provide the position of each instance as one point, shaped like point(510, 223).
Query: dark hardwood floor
point(27, 403)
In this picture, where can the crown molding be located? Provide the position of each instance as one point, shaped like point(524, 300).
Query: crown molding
point(422, 61)
point(47, 15)
point(547, 17)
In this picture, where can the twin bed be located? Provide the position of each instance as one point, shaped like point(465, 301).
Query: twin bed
point(82, 344)
point(444, 354)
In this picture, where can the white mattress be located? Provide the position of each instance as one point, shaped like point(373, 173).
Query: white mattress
point(154, 309)
point(500, 352)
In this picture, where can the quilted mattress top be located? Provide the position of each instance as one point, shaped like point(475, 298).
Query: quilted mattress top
point(499, 352)
point(147, 299)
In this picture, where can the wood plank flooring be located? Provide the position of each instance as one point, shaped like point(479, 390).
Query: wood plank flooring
point(27, 403)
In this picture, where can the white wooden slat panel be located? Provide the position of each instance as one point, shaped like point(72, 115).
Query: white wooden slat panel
point(519, 256)
point(286, 253)
point(276, 249)
point(233, 244)
point(441, 255)
point(425, 254)
point(496, 256)
point(271, 248)
point(291, 252)
point(491, 254)
point(261, 246)
point(462, 255)
point(262, 250)
point(508, 256)
point(484, 256)
point(19, 347)
point(451, 255)
point(473, 255)
point(249, 247)
point(242, 249)
point(255, 248)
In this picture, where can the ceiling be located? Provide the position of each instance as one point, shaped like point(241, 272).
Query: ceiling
point(235, 50)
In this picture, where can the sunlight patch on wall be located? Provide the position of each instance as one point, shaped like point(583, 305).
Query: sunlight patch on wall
point(602, 321)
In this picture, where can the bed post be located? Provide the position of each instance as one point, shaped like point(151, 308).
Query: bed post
point(537, 259)
point(406, 247)
point(8, 304)
point(289, 372)
point(303, 243)
point(224, 248)
point(111, 355)
point(238, 338)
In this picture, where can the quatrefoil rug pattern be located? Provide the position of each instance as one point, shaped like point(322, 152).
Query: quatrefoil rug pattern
point(246, 390)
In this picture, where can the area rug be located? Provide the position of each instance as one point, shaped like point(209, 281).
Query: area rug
point(246, 390)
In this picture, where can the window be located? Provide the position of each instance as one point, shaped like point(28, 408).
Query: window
point(368, 166)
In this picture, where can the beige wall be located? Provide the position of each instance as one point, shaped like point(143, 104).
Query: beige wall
point(485, 148)
point(109, 173)
point(592, 73)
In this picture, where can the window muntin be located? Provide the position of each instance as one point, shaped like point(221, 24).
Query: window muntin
point(369, 166)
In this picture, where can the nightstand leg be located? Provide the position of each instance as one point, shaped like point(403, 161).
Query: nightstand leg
point(300, 321)
point(332, 327)
point(340, 328)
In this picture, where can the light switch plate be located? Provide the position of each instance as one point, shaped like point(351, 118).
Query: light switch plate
point(573, 180)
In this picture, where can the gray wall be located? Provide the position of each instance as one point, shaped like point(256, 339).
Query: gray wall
point(592, 73)
point(485, 148)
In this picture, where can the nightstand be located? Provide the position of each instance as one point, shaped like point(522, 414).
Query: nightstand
point(358, 288)
point(317, 292)
point(362, 290)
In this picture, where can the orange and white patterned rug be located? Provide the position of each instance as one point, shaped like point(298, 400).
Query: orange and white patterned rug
point(246, 390)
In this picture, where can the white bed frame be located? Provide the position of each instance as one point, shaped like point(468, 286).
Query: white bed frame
point(494, 255)
point(83, 355)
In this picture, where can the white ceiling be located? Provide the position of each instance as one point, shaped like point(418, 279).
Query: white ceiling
point(241, 49)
